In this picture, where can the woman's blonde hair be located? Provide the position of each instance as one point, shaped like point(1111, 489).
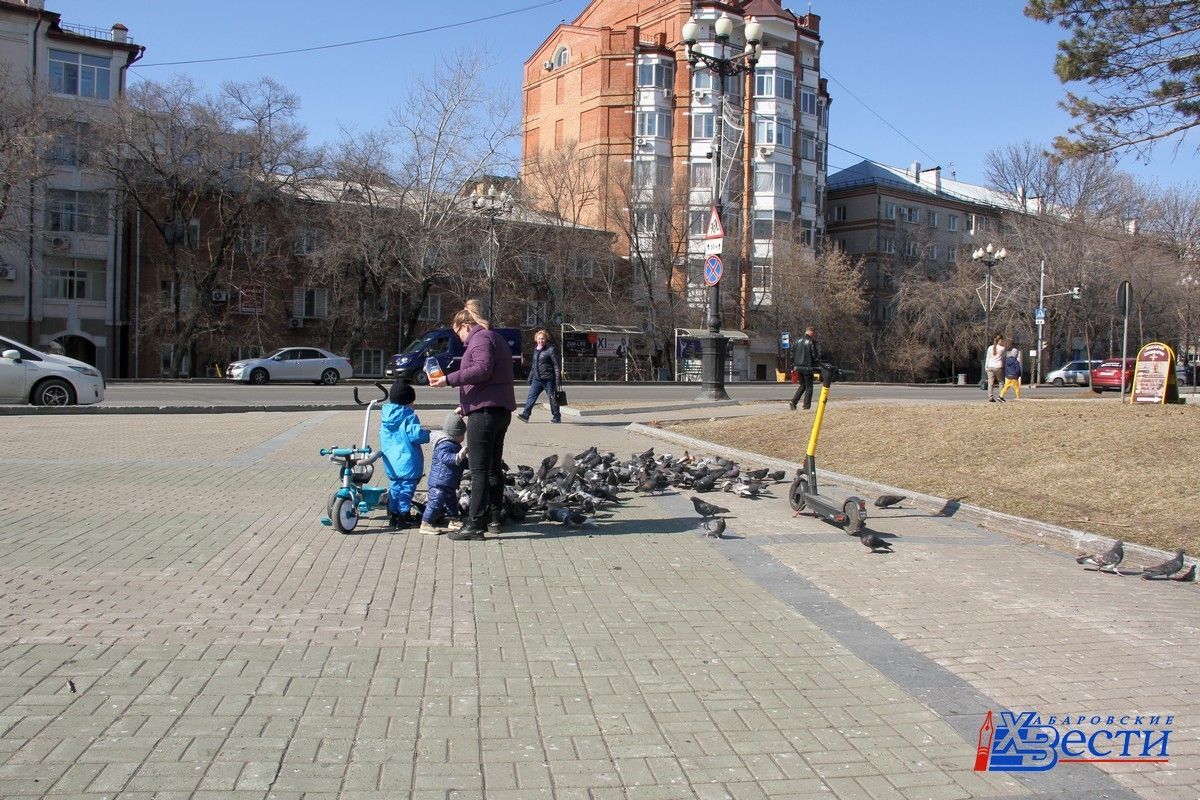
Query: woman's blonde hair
point(471, 314)
point(542, 332)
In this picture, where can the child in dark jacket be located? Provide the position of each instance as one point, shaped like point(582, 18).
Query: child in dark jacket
point(400, 439)
point(1012, 374)
point(445, 473)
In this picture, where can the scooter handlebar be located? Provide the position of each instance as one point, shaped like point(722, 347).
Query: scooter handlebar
point(383, 389)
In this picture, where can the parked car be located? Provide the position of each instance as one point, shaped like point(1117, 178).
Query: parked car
point(444, 345)
point(1107, 376)
point(292, 364)
point(45, 379)
point(1077, 372)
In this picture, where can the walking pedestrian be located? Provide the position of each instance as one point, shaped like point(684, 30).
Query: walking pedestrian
point(544, 374)
point(487, 399)
point(806, 356)
point(994, 365)
point(1012, 372)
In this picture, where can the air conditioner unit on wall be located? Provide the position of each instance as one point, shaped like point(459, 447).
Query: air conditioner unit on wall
point(668, 93)
point(548, 65)
point(296, 322)
point(59, 242)
point(220, 296)
point(8, 273)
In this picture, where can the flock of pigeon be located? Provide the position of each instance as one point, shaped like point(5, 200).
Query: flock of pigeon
point(1109, 561)
point(571, 490)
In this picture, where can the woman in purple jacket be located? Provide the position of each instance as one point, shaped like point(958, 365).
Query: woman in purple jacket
point(486, 399)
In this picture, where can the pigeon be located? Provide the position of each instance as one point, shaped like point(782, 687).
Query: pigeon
point(1187, 577)
point(874, 542)
point(71, 684)
point(567, 516)
point(756, 474)
point(649, 485)
point(715, 527)
point(1165, 569)
point(706, 510)
point(889, 500)
point(1104, 562)
point(704, 483)
point(777, 475)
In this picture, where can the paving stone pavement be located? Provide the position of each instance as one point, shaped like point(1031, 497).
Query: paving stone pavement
point(176, 623)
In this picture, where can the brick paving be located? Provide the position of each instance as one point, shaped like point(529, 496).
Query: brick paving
point(176, 623)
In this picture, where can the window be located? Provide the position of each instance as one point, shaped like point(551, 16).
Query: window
point(310, 303)
point(646, 221)
point(773, 130)
point(240, 352)
point(562, 57)
point(171, 299)
point(166, 353)
point(537, 313)
point(701, 174)
point(889, 210)
point(766, 222)
point(933, 252)
point(775, 179)
point(952, 222)
point(808, 145)
point(582, 266)
point(656, 74)
point(70, 145)
point(702, 125)
point(74, 282)
point(951, 254)
point(652, 172)
point(251, 238)
point(808, 189)
point(970, 223)
point(760, 283)
point(702, 81)
point(80, 75)
point(307, 241)
point(839, 213)
point(808, 102)
point(698, 221)
point(533, 264)
point(932, 217)
point(806, 232)
point(910, 214)
point(773, 83)
point(654, 123)
point(912, 249)
point(76, 212)
point(889, 246)
point(370, 362)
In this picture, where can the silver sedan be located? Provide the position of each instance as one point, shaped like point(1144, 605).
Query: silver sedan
point(292, 364)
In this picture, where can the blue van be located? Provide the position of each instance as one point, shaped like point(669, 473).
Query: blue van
point(448, 349)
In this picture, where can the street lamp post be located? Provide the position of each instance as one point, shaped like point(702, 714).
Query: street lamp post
point(490, 206)
point(988, 256)
point(712, 362)
point(1075, 294)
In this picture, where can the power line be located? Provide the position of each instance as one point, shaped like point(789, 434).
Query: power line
point(356, 42)
point(925, 152)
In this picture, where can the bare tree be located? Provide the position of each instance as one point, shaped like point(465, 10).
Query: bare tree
point(28, 129)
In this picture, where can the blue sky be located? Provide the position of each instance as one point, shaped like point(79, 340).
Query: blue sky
point(941, 82)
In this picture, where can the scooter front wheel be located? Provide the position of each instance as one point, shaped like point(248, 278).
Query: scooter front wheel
point(856, 515)
point(798, 491)
point(345, 515)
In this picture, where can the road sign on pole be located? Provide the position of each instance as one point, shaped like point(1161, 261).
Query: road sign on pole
point(715, 230)
point(713, 247)
point(712, 270)
point(1039, 316)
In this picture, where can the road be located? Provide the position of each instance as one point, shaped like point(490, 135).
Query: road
point(223, 394)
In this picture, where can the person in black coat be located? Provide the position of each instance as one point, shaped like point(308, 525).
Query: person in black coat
point(806, 355)
point(544, 373)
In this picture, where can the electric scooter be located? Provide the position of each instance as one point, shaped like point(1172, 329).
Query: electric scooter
point(851, 514)
point(356, 467)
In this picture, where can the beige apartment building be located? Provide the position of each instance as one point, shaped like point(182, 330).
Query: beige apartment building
point(60, 242)
point(615, 86)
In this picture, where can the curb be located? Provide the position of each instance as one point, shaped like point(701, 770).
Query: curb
point(54, 411)
point(996, 521)
point(616, 410)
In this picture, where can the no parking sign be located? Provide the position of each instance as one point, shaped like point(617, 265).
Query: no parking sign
point(712, 270)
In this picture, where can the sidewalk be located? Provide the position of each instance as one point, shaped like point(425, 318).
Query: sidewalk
point(177, 622)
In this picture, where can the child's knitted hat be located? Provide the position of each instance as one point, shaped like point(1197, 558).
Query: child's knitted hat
point(401, 393)
point(454, 426)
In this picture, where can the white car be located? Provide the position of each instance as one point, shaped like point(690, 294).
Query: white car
point(292, 364)
point(44, 379)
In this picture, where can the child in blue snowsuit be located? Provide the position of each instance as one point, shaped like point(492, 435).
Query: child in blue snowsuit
point(445, 473)
point(400, 439)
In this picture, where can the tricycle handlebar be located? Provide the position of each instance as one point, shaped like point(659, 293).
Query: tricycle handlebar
point(378, 386)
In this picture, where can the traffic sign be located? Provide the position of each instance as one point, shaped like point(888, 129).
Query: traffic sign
point(1039, 316)
point(715, 229)
point(712, 270)
point(785, 340)
point(713, 247)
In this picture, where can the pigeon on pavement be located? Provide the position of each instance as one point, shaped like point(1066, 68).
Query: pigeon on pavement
point(706, 510)
point(1165, 569)
point(889, 500)
point(1187, 577)
point(874, 542)
point(715, 527)
point(1104, 562)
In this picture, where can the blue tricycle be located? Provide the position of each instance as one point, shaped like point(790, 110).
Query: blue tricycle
point(355, 498)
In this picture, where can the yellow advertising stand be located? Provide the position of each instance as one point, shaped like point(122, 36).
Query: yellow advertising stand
point(1154, 376)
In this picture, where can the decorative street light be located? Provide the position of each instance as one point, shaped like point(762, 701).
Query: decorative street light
point(1076, 293)
point(712, 362)
point(490, 206)
point(989, 257)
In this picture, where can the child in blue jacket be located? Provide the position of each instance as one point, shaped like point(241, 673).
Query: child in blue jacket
point(445, 473)
point(400, 439)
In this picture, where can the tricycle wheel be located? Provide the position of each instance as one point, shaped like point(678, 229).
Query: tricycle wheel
point(797, 492)
point(345, 515)
point(856, 515)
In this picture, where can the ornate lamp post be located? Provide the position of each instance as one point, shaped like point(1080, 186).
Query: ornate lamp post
point(490, 206)
point(989, 257)
point(713, 356)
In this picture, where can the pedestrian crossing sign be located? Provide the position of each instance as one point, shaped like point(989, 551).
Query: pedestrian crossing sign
point(715, 229)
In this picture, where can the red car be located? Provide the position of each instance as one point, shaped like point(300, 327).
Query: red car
point(1108, 375)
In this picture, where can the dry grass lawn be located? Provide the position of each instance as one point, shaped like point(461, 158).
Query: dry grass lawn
point(1121, 471)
